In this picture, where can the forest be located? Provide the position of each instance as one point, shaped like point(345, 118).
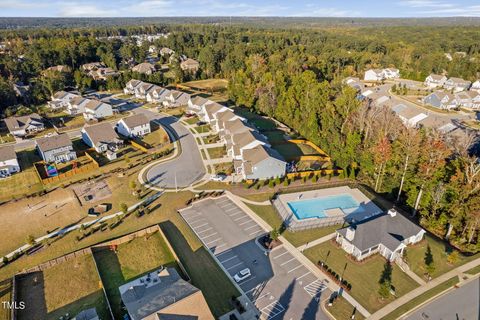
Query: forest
point(294, 75)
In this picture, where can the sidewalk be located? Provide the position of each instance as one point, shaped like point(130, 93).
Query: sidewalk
point(315, 242)
point(422, 289)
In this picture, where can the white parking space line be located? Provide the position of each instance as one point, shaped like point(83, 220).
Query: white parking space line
point(223, 252)
point(203, 238)
point(222, 201)
point(208, 229)
point(235, 214)
point(273, 309)
point(306, 274)
point(213, 241)
point(245, 222)
point(230, 209)
point(315, 288)
point(262, 296)
point(235, 265)
point(281, 254)
point(299, 266)
point(289, 260)
point(250, 227)
point(216, 247)
point(192, 212)
point(223, 261)
point(245, 216)
point(202, 225)
point(255, 232)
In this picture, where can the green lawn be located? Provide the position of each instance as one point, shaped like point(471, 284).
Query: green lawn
point(260, 197)
point(363, 276)
point(416, 255)
point(6, 137)
point(474, 270)
point(211, 139)
point(192, 120)
point(208, 84)
point(204, 271)
point(421, 298)
point(341, 309)
point(156, 138)
point(217, 152)
point(270, 216)
point(132, 260)
point(225, 168)
point(203, 129)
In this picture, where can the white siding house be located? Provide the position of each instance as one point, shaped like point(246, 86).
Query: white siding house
point(25, 125)
point(374, 75)
point(435, 81)
point(137, 125)
point(101, 137)
point(57, 148)
point(95, 110)
point(8, 161)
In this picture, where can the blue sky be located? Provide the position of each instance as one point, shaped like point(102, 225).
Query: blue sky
point(311, 8)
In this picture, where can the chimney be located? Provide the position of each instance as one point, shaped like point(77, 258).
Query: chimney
point(392, 213)
point(350, 233)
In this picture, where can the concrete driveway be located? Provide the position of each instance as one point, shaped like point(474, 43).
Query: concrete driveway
point(280, 286)
point(182, 171)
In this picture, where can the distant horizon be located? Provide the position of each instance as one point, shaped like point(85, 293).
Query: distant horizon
point(400, 9)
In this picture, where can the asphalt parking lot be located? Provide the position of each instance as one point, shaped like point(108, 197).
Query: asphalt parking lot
point(280, 286)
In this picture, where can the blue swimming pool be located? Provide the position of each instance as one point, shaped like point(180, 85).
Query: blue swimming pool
point(315, 208)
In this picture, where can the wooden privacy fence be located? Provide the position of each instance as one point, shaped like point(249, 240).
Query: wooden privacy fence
point(82, 169)
point(54, 262)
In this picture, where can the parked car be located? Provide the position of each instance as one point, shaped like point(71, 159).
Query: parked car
point(242, 275)
point(218, 177)
point(201, 123)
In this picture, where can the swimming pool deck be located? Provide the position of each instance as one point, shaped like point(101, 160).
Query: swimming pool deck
point(333, 216)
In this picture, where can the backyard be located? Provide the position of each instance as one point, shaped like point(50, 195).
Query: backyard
point(223, 168)
point(440, 251)
point(363, 276)
point(131, 260)
point(157, 137)
point(46, 296)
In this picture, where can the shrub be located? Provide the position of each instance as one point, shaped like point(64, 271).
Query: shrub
point(271, 184)
point(124, 208)
point(453, 257)
point(314, 178)
point(5, 260)
point(286, 182)
point(257, 186)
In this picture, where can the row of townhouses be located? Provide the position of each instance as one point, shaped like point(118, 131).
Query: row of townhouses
point(253, 157)
point(381, 74)
point(444, 100)
point(453, 84)
point(156, 94)
point(75, 104)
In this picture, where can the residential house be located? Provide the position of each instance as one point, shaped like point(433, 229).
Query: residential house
point(190, 65)
point(468, 99)
point(144, 68)
point(102, 73)
point(137, 125)
point(210, 110)
point(457, 84)
point(56, 148)
point(142, 90)
point(92, 66)
point(391, 73)
point(175, 99)
point(102, 138)
point(24, 125)
point(354, 83)
point(387, 234)
point(195, 104)
point(8, 161)
point(166, 51)
point(244, 141)
point(223, 117)
point(163, 294)
point(21, 89)
point(233, 127)
point(409, 116)
point(441, 100)
point(77, 105)
point(96, 110)
point(374, 75)
point(61, 100)
point(476, 86)
point(260, 162)
point(157, 94)
point(131, 85)
point(435, 81)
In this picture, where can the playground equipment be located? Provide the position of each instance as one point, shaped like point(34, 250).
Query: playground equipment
point(51, 170)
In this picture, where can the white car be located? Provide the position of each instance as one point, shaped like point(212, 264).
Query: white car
point(218, 177)
point(242, 275)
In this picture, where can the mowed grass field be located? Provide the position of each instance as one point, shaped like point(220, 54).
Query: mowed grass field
point(66, 288)
point(208, 84)
point(440, 251)
point(363, 276)
point(131, 260)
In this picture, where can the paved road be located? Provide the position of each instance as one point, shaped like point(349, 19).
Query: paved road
point(460, 304)
point(30, 143)
point(281, 287)
point(183, 170)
